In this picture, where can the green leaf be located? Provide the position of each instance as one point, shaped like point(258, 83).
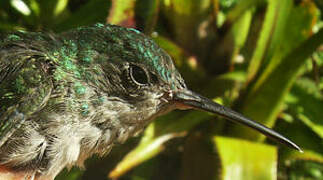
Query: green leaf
point(188, 65)
point(307, 105)
point(137, 14)
point(271, 33)
point(307, 155)
point(189, 23)
point(319, 4)
point(240, 32)
point(156, 134)
point(301, 18)
point(239, 76)
point(307, 170)
point(308, 165)
point(72, 174)
point(82, 17)
point(302, 135)
point(147, 148)
point(146, 15)
point(47, 9)
point(34, 6)
point(10, 27)
point(241, 28)
point(273, 85)
point(241, 7)
point(60, 7)
point(198, 158)
point(243, 160)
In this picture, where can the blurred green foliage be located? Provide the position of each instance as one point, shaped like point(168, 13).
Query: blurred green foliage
point(262, 57)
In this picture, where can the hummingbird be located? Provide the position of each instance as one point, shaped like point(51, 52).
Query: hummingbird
point(65, 97)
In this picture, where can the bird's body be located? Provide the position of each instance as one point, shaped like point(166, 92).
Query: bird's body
point(69, 96)
point(66, 97)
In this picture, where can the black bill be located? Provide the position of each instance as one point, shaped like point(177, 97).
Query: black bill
point(190, 99)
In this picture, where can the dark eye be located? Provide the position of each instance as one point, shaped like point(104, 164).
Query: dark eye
point(138, 75)
point(154, 78)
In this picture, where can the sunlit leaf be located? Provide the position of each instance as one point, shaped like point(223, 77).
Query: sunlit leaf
point(122, 13)
point(34, 6)
point(21, 7)
point(60, 7)
point(243, 160)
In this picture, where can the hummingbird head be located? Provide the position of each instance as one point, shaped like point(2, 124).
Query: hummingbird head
point(140, 81)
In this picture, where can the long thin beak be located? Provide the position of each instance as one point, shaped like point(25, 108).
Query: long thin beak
point(189, 99)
